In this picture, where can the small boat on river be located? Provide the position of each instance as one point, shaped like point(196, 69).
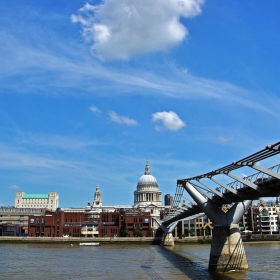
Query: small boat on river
point(89, 244)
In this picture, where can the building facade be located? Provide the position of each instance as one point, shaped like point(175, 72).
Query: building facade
point(168, 200)
point(263, 218)
point(47, 201)
point(126, 224)
point(57, 223)
point(14, 221)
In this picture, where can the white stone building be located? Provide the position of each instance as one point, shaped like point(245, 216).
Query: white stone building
point(47, 201)
point(148, 197)
point(147, 190)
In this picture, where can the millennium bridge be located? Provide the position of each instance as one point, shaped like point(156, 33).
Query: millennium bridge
point(210, 192)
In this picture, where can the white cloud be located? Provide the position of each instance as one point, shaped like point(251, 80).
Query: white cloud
point(121, 119)
point(170, 121)
point(119, 29)
point(224, 139)
point(62, 72)
point(94, 109)
point(13, 187)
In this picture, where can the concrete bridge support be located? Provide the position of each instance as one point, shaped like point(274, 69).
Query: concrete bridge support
point(168, 239)
point(227, 250)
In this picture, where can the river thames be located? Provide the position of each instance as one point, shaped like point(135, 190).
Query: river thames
point(131, 261)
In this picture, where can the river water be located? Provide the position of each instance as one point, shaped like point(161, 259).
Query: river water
point(118, 261)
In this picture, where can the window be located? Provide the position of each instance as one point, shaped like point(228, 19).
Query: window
point(104, 218)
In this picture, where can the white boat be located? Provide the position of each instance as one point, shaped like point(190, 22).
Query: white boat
point(89, 244)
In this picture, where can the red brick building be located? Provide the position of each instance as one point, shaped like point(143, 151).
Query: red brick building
point(109, 224)
point(137, 222)
point(56, 224)
point(66, 222)
point(124, 224)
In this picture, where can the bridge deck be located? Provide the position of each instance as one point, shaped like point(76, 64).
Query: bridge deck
point(264, 183)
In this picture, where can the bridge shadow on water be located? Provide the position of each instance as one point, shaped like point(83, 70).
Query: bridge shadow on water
point(191, 269)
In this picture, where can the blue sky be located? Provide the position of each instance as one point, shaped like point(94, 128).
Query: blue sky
point(90, 90)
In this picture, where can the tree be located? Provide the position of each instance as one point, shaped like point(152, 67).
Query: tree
point(125, 232)
point(138, 232)
point(149, 232)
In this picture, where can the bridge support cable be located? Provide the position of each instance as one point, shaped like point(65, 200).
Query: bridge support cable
point(175, 208)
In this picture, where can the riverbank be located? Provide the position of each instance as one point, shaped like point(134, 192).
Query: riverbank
point(104, 240)
point(148, 240)
point(18, 239)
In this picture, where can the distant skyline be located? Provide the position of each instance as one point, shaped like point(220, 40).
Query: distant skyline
point(91, 89)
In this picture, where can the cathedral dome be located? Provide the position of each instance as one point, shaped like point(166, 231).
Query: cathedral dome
point(147, 181)
point(147, 189)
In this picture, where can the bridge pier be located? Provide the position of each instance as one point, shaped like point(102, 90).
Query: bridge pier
point(168, 239)
point(227, 250)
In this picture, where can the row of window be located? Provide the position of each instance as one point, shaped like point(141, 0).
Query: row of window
point(34, 200)
point(20, 210)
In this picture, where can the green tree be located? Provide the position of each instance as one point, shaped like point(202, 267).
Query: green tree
point(191, 232)
point(149, 232)
point(138, 233)
point(125, 232)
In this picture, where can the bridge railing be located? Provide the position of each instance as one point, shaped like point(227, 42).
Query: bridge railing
point(256, 178)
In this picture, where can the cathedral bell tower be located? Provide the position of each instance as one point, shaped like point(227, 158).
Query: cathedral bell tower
point(97, 201)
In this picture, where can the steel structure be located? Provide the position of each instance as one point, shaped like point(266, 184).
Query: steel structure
point(264, 183)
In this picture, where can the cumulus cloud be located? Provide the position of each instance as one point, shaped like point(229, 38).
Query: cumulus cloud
point(94, 109)
point(169, 120)
point(118, 29)
point(121, 119)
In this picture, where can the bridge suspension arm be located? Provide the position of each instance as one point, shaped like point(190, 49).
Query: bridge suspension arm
point(211, 189)
point(266, 171)
point(246, 182)
point(232, 190)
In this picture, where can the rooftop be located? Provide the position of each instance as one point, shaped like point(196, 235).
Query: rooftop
point(35, 196)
